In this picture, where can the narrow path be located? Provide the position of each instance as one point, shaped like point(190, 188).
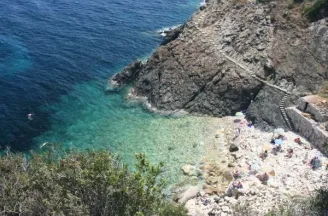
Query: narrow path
point(286, 93)
point(282, 108)
point(241, 65)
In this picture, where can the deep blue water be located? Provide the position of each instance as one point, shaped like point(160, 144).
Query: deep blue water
point(56, 56)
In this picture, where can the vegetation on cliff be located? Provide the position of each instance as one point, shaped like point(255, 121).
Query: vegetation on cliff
point(317, 10)
point(93, 183)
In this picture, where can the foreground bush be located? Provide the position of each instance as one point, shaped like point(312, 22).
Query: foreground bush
point(312, 206)
point(94, 183)
point(317, 205)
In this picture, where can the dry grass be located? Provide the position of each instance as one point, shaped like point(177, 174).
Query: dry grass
point(323, 91)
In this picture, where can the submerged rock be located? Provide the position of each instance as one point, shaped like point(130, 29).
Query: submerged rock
point(189, 170)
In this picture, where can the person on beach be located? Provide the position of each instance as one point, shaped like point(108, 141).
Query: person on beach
point(272, 140)
point(276, 149)
point(290, 152)
point(250, 167)
point(298, 141)
point(202, 198)
point(263, 178)
point(237, 133)
point(237, 185)
point(315, 163)
point(250, 123)
point(253, 169)
point(236, 174)
point(264, 155)
point(235, 189)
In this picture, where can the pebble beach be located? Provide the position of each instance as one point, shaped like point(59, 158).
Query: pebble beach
point(236, 155)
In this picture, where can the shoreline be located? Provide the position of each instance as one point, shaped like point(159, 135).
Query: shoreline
point(288, 177)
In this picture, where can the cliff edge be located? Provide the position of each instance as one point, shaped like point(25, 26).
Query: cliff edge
point(235, 55)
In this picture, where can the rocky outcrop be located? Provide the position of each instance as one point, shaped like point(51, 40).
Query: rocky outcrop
point(171, 35)
point(265, 107)
point(199, 67)
point(127, 75)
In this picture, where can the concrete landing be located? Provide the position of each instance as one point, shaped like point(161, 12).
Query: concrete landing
point(309, 128)
point(314, 105)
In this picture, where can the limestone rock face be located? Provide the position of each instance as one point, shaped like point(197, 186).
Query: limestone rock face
point(198, 68)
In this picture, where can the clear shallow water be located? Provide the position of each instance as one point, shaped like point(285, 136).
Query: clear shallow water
point(89, 119)
point(55, 59)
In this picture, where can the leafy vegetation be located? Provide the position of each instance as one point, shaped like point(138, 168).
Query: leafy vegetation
point(298, 1)
point(323, 91)
point(318, 10)
point(263, 1)
point(93, 183)
point(298, 206)
point(313, 206)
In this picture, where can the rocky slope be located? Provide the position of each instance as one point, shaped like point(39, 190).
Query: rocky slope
point(200, 69)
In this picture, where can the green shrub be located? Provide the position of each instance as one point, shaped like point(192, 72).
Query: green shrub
point(297, 206)
point(320, 202)
point(290, 6)
point(317, 11)
point(93, 183)
point(263, 1)
point(312, 206)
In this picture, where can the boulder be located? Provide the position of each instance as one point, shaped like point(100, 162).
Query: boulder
point(171, 35)
point(209, 189)
point(211, 180)
point(233, 148)
point(127, 75)
point(189, 170)
point(190, 193)
point(225, 209)
point(214, 212)
point(216, 199)
point(227, 175)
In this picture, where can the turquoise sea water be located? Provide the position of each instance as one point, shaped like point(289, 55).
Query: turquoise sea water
point(89, 119)
point(55, 60)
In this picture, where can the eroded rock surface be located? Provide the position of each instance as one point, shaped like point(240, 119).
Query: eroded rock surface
point(199, 72)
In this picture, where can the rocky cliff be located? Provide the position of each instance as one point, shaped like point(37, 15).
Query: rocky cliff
point(222, 60)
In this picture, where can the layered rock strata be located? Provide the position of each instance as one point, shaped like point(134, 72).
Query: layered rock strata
point(198, 69)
